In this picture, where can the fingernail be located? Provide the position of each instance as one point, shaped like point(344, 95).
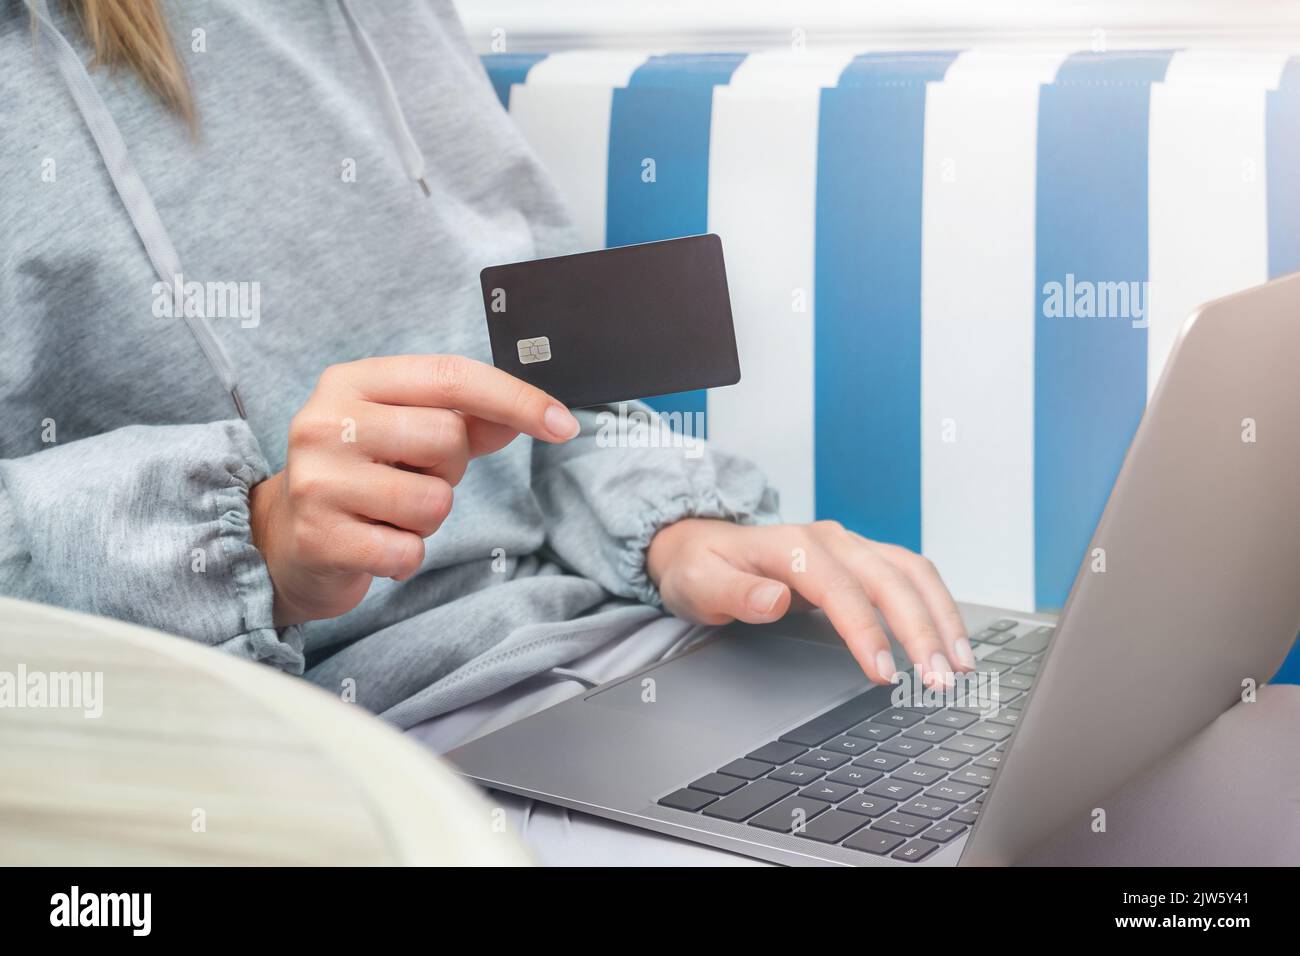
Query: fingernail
point(560, 422)
point(885, 665)
point(965, 656)
point(940, 669)
point(764, 597)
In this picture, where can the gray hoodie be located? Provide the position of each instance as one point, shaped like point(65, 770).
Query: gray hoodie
point(124, 466)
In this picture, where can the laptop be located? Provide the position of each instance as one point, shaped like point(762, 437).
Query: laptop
point(768, 740)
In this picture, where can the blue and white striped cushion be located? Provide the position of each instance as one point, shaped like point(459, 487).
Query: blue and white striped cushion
point(894, 225)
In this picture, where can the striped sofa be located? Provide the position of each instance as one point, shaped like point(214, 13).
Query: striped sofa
point(955, 275)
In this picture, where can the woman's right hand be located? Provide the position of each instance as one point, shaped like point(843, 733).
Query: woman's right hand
point(372, 460)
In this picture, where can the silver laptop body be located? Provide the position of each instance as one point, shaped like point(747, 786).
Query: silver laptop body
point(1200, 594)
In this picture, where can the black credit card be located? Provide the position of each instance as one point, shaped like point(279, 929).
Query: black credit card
point(614, 325)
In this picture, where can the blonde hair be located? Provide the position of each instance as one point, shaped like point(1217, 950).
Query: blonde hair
point(133, 34)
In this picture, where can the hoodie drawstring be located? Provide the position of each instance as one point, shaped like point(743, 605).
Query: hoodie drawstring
point(394, 118)
point(135, 196)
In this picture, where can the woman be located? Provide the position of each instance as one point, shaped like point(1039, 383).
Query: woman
point(244, 368)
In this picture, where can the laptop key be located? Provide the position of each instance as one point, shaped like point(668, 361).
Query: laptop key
point(928, 808)
point(988, 731)
point(833, 827)
point(895, 717)
point(930, 731)
point(828, 791)
point(796, 773)
point(692, 801)
point(901, 823)
point(1029, 670)
point(893, 789)
point(976, 776)
point(748, 800)
point(952, 791)
point(966, 815)
point(746, 768)
point(789, 814)
point(776, 752)
point(943, 759)
point(944, 831)
point(872, 841)
point(967, 745)
point(905, 746)
point(916, 773)
point(848, 745)
point(915, 851)
point(954, 719)
point(1002, 625)
point(718, 783)
point(1008, 717)
point(836, 720)
point(925, 710)
point(855, 776)
point(880, 761)
point(823, 759)
point(869, 731)
point(1005, 656)
point(1003, 694)
point(867, 806)
point(1015, 681)
point(1035, 642)
point(992, 761)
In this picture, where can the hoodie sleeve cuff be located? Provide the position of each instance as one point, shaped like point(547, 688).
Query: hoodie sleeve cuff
point(705, 503)
point(260, 639)
point(148, 524)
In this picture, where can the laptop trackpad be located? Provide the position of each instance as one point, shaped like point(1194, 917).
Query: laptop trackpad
point(744, 678)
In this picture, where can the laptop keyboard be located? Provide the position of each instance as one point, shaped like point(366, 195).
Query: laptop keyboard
point(898, 781)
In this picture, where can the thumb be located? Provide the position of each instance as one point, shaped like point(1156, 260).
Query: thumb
point(714, 591)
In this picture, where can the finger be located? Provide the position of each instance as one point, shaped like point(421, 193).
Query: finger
point(826, 583)
point(405, 499)
point(353, 546)
point(435, 440)
point(452, 381)
point(485, 437)
point(711, 590)
point(938, 601)
point(890, 590)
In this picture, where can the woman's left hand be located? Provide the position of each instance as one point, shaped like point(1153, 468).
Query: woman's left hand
point(715, 572)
